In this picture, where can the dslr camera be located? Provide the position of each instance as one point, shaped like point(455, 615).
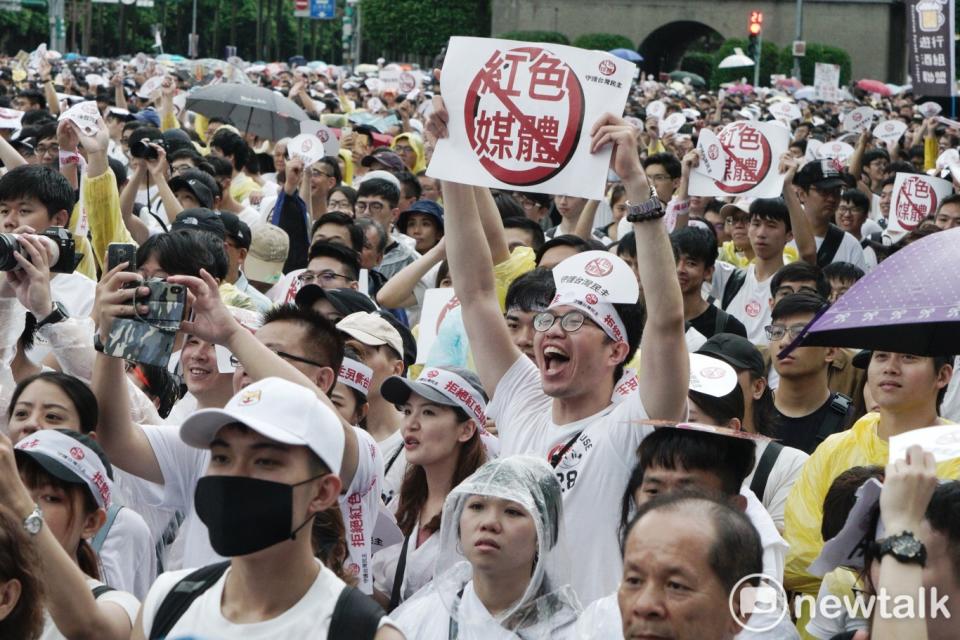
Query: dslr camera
point(58, 241)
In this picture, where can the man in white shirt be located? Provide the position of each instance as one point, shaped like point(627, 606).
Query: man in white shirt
point(560, 406)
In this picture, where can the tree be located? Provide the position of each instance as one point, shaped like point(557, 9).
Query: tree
point(816, 52)
point(603, 42)
point(404, 29)
point(536, 36)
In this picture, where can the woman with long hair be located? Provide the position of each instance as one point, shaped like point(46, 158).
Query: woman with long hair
point(443, 417)
point(502, 568)
point(58, 484)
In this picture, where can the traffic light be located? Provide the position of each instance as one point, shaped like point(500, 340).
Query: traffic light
point(754, 29)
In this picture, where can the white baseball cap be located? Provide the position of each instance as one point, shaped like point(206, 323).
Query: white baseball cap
point(277, 409)
point(71, 457)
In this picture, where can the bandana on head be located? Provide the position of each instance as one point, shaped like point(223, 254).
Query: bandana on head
point(75, 456)
point(458, 390)
point(355, 375)
point(603, 313)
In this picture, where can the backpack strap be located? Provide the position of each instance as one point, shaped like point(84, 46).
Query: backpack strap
point(721, 321)
point(356, 616)
point(396, 592)
point(100, 590)
point(732, 288)
point(769, 458)
point(100, 538)
point(182, 595)
point(836, 418)
point(830, 245)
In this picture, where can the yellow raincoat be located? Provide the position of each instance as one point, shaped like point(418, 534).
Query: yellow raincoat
point(416, 142)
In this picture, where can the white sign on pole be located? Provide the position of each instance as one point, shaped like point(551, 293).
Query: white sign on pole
point(521, 113)
point(749, 155)
point(826, 82)
point(915, 196)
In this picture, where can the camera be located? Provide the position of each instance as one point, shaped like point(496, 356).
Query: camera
point(140, 143)
point(58, 241)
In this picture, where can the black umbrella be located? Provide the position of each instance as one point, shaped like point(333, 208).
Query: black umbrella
point(252, 109)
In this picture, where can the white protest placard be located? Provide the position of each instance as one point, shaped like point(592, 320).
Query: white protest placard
point(375, 105)
point(95, 80)
point(85, 115)
point(826, 82)
point(409, 82)
point(307, 147)
point(656, 109)
point(858, 119)
point(846, 548)
point(813, 145)
point(840, 151)
point(437, 303)
point(943, 442)
point(331, 146)
point(521, 113)
point(784, 110)
point(389, 79)
point(672, 123)
point(915, 196)
point(750, 155)
point(149, 87)
point(10, 118)
point(948, 158)
point(890, 131)
point(929, 109)
point(712, 156)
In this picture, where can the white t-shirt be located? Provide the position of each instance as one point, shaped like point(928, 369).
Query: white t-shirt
point(309, 618)
point(774, 546)
point(128, 555)
point(417, 573)
point(395, 464)
point(359, 507)
point(125, 601)
point(751, 305)
point(848, 251)
point(427, 618)
point(593, 473)
point(784, 473)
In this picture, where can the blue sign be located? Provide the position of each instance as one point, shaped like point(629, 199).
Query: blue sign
point(323, 9)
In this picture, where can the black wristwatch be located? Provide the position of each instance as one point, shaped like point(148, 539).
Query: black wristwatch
point(59, 314)
point(905, 547)
point(652, 209)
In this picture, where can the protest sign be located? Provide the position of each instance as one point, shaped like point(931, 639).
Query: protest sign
point(95, 80)
point(890, 131)
point(672, 123)
point(389, 79)
point(711, 376)
point(408, 82)
point(437, 303)
point(943, 442)
point(784, 110)
point(712, 156)
point(858, 119)
point(749, 153)
point(656, 109)
point(813, 145)
point(826, 82)
point(915, 196)
point(306, 147)
point(929, 109)
point(846, 549)
point(85, 115)
point(840, 151)
point(931, 59)
point(520, 115)
point(150, 87)
point(331, 146)
point(10, 118)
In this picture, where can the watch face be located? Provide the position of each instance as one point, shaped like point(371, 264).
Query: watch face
point(906, 546)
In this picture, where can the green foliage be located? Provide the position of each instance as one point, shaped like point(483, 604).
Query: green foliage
point(769, 63)
point(698, 62)
point(397, 28)
point(816, 52)
point(603, 42)
point(536, 36)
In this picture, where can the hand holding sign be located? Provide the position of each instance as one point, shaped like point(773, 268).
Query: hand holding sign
point(858, 120)
point(331, 146)
point(943, 442)
point(85, 116)
point(747, 155)
point(890, 131)
point(712, 156)
point(671, 124)
point(656, 109)
point(908, 485)
point(306, 147)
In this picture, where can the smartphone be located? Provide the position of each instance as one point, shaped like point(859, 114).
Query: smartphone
point(119, 252)
point(149, 337)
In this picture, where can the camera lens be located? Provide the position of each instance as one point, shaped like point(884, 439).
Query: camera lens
point(9, 245)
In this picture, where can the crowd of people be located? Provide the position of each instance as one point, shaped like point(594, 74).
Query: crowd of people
point(290, 458)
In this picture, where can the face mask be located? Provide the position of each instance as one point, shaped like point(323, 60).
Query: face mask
point(245, 515)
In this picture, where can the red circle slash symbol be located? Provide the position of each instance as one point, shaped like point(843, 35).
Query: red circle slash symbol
point(917, 200)
point(749, 157)
point(76, 453)
point(598, 267)
point(524, 115)
point(607, 67)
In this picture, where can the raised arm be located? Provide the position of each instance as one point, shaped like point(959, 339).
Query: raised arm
point(398, 291)
point(492, 225)
point(158, 175)
point(800, 225)
point(584, 228)
point(9, 156)
point(856, 160)
point(664, 370)
point(138, 230)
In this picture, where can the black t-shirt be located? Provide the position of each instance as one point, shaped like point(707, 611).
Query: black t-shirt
point(801, 433)
point(706, 323)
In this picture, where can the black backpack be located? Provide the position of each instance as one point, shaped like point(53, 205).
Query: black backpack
point(355, 617)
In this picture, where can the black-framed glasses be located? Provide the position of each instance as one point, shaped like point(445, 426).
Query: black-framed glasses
point(316, 173)
point(375, 207)
point(777, 331)
point(235, 361)
point(308, 277)
point(570, 321)
point(789, 291)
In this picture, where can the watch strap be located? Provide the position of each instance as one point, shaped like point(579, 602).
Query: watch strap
point(651, 209)
point(59, 314)
point(33, 522)
point(891, 545)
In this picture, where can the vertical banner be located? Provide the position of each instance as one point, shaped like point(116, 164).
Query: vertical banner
point(932, 62)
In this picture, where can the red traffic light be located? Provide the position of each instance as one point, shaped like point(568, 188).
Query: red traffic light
point(756, 22)
point(754, 29)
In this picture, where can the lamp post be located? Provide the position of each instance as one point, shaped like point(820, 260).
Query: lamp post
point(799, 36)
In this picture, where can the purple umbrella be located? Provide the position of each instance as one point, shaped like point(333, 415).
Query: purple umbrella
point(910, 303)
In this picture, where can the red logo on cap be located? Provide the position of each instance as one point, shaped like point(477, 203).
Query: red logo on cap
point(307, 145)
point(433, 373)
point(591, 299)
point(607, 67)
point(598, 267)
point(76, 453)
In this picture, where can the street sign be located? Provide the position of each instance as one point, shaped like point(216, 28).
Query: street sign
point(799, 48)
point(10, 5)
point(315, 9)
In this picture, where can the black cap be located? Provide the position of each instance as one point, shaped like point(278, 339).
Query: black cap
point(195, 181)
point(345, 301)
point(409, 342)
point(199, 219)
point(822, 174)
point(736, 351)
point(235, 229)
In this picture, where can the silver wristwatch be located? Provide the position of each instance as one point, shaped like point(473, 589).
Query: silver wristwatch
point(34, 522)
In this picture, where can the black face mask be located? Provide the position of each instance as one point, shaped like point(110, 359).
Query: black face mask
point(245, 515)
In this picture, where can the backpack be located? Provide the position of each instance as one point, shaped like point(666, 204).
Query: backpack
point(355, 616)
point(830, 245)
point(732, 288)
point(100, 538)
